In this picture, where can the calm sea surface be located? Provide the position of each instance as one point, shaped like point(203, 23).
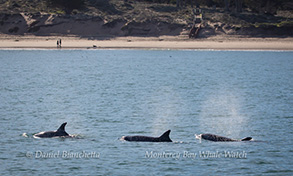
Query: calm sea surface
point(106, 94)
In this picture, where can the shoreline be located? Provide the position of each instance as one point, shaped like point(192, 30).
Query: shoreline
point(153, 43)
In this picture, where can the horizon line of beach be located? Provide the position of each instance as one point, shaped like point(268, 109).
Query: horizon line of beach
point(160, 43)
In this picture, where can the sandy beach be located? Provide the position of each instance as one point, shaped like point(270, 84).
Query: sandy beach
point(163, 42)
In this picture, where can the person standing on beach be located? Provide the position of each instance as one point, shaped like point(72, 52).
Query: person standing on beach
point(57, 44)
point(60, 43)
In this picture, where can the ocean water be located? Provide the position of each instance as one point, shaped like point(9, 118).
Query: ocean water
point(106, 94)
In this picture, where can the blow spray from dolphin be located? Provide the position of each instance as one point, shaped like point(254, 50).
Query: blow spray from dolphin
point(163, 138)
point(216, 138)
point(60, 132)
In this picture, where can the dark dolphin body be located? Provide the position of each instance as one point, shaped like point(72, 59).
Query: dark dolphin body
point(216, 138)
point(163, 138)
point(58, 133)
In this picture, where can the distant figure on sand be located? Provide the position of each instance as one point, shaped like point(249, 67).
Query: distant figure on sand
point(59, 43)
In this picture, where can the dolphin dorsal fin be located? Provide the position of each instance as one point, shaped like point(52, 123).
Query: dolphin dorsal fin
point(165, 136)
point(62, 127)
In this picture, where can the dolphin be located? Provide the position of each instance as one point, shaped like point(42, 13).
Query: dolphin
point(216, 138)
point(163, 138)
point(49, 134)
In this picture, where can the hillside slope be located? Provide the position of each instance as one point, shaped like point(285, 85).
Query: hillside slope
point(134, 18)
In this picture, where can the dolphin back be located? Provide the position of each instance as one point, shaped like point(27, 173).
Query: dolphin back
point(45, 134)
point(140, 138)
point(247, 139)
point(216, 138)
point(48, 134)
point(163, 138)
